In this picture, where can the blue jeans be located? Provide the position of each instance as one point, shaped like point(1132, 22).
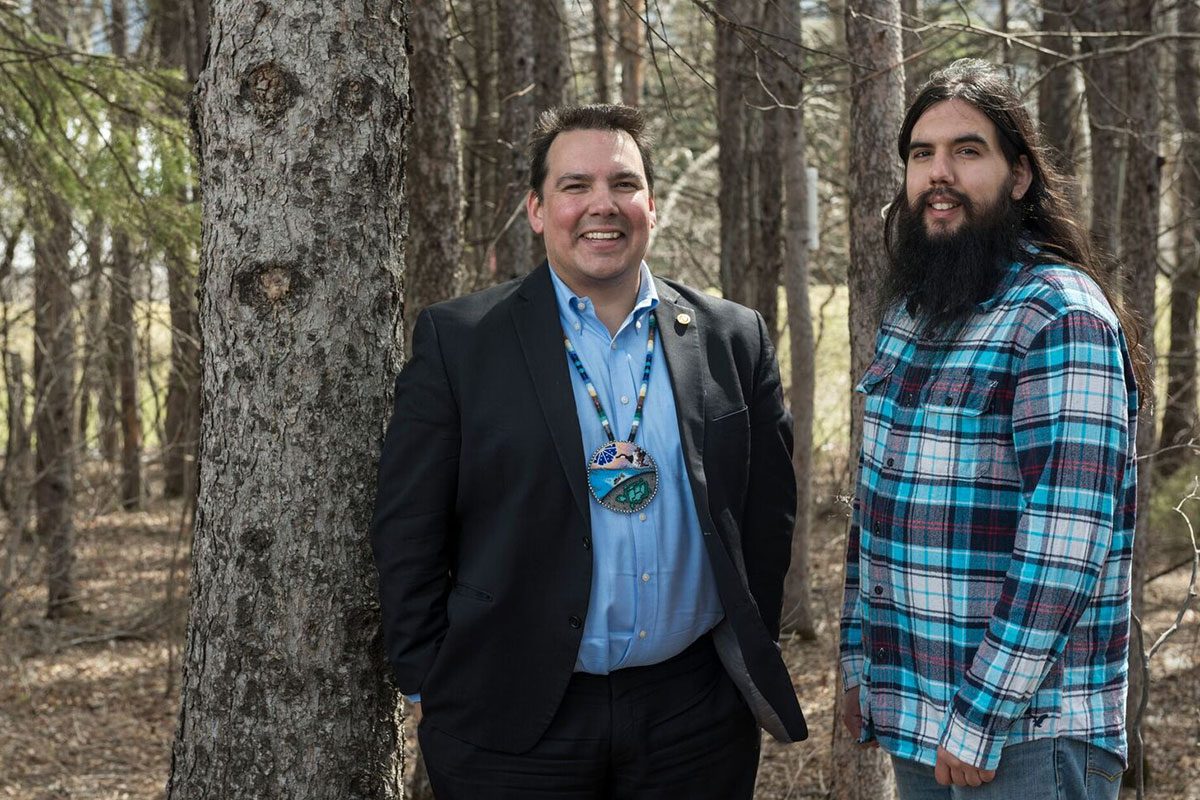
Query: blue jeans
point(1043, 769)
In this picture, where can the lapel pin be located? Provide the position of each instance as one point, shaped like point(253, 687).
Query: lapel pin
point(683, 319)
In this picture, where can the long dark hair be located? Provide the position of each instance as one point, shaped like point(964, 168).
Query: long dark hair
point(1048, 219)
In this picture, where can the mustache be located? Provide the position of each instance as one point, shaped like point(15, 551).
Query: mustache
point(942, 194)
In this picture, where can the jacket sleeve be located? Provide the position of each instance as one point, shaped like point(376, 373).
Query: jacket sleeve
point(770, 511)
point(414, 510)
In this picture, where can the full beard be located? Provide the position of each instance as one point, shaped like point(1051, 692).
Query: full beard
point(943, 276)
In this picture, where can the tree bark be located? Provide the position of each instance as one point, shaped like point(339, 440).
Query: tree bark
point(434, 167)
point(797, 589)
point(910, 15)
point(93, 321)
point(633, 55)
point(515, 247)
point(54, 367)
point(1179, 424)
point(551, 64)
point(1104, 77)
point(1139, 254)
point(121, 324)
point(302, 117)
point(603, 49)
point(1058, 99)
point(876, 111)
point(183, 36)
point(731, 162)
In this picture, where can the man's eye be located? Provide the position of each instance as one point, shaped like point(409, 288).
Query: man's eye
point(918, 154)
point(573, 187)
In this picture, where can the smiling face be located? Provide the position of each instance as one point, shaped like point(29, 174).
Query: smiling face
point(956, 169)
point(595, 212)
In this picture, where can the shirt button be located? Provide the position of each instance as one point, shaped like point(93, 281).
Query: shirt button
point(587, 543)
point(614, 345)
point(950, 400)
point(645, 577)
point(641, 634)
point(891, 461)
point(878, 590)
point(625, 399)
point(638, 324)
point(581, 305)
point(574, 621)
point(642, 516)
point(880, 653)
point(577, 326)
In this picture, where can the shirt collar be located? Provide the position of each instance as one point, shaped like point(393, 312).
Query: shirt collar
point(571, 304)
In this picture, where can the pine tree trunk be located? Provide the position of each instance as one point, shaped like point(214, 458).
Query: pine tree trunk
point(551, 63)
point(515, 250)
point(54, 367)
point(876, 111)
point(1179, 424)
point(183, 34)
point(633, 56)
point(603, 49)
point(1104, 78)
point(434, 167)
point(1139, 255)
point(1058, 100)
point(797, 589)
point(731, 134)
point(285, 690)
point(121, 308)
point(910, 17)
point(93, 331)
point(485, 150)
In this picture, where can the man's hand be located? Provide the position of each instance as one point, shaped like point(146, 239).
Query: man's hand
point(416, 713)
point(852, 717)
point(951, 771)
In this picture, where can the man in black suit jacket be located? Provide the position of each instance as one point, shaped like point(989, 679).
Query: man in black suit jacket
point(484, 523)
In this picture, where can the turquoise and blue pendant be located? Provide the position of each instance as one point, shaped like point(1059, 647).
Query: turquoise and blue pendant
point(622, 477)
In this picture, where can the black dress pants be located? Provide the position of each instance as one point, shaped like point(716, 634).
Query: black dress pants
point(678, 730)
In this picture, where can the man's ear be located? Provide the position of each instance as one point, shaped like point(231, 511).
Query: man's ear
point(533, 210)
point(1022, 174)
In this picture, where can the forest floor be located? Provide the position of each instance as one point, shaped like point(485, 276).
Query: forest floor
point(88, 705)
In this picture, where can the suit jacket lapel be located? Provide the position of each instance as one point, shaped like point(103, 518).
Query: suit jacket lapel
point(685, 364)
point(535, 314)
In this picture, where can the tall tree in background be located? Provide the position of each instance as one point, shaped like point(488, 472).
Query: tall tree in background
point(54, 367)
point(486, 151)
point(750, 134)
point(876, 112)
point(1058, 100)
point(910, 16)
point(1139, 256)
point(633, 51)
point(797, 589)
point(1179, 423)
point(552, 65)
point(1104, 77)
point(602, 49)
point(434, 167)
point(183, 34)
point(122, 332)
point(516, 85)
point(284, 685)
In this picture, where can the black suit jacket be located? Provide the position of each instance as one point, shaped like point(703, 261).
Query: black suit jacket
point(482, 525)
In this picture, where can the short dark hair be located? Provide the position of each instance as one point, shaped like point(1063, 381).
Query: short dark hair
point(1046, 213)
point(595, 117)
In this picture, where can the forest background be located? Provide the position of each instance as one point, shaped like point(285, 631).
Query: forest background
point(218, 220)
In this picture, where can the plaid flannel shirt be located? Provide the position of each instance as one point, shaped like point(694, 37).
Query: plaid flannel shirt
point(987, 568)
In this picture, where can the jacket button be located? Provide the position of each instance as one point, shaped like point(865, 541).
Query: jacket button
point(587, 543)
point(574, 621)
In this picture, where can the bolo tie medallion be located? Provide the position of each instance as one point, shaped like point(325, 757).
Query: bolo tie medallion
point(622, 477)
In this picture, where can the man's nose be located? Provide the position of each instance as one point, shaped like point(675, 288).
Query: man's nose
point(941, 171)
point(602, 201)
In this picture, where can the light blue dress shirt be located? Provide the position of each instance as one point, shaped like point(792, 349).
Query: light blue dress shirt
point(653, 590)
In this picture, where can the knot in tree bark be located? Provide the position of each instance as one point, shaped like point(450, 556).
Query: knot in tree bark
point(270, 90)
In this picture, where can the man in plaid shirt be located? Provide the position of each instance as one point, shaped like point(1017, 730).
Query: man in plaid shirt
point(985, 627)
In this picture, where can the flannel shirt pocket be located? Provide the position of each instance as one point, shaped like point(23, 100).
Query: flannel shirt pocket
point(960, 430)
